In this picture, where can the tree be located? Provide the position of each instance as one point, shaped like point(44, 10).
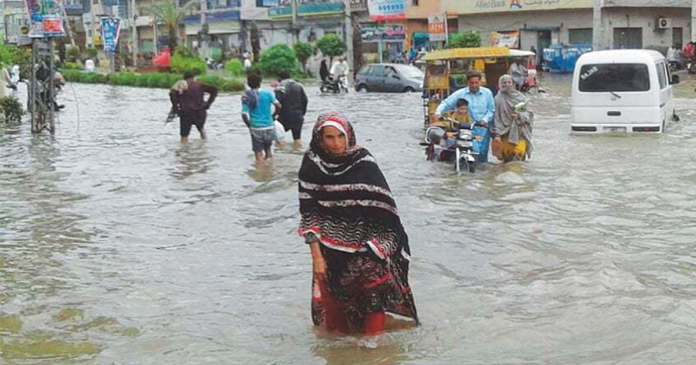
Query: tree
point(331, 46)
point(168, 13)
point(278, 58)
point(303, 51)
point(468, 39)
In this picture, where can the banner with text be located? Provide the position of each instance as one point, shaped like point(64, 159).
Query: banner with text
point(45, 18)
point(437, 27)
point(506, 39)
point(497, 6)
point(110, 29)
point(386, 9)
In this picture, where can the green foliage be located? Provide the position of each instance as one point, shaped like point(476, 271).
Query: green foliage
point(123, 79)
point(254, 69)
point(72, 75)
point(12, 55)
point(233, 85)
point(184, 52)
point(303, 51)
point(12, 109)
point(278, 58)
point(91, 53)
point(171, 15)
point(331, 46)
point(72, 54)
point(72, 66)
point(215, 81)
point(468, 39)
point(234, 68)
point(94, 78)
point(151, 80)
point(181, 65)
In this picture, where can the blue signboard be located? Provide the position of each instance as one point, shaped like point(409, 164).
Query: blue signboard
point(111, 28)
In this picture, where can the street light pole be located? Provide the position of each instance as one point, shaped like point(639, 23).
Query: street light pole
point(349, 34)
point(598, 26)
point(135, 33)
point(693, 21)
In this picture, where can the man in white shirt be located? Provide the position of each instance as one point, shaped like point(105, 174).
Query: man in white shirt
point(340, 70)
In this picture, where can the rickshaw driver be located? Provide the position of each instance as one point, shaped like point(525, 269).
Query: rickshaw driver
point(480, 109)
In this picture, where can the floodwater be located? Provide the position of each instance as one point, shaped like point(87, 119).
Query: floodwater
point(120, 246)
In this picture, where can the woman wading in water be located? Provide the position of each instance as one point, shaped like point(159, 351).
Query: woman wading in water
point(359, 248)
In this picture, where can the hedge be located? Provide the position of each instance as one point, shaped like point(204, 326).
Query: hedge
point(151, 80)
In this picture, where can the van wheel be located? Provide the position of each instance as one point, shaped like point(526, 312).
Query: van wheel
point(409, 89)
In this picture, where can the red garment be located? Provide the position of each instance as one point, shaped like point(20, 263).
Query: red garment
point(163, 59)
point(336, 321)
point(688, 51)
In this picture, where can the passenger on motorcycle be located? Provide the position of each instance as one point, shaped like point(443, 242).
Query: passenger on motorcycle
point(481, 107)
point(339, 71)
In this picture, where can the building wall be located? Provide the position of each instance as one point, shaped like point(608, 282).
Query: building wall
point(558, 21)
point(563, 22)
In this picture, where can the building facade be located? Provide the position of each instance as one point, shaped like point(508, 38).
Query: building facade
point(625, 23)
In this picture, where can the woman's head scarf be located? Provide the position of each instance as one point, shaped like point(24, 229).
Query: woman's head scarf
point(345, 200)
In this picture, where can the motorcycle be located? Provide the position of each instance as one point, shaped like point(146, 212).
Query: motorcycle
point(335, 86)
point(690, 65)
point(458, 142)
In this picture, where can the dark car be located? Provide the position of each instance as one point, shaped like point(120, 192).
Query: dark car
point(388, 77)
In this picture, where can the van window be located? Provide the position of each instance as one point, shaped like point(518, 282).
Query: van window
point(662, 75)
point(626, 77)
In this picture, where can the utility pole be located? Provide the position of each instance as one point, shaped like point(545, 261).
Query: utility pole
point(693, 21)
point(598, 26)
point(293, 27)
point(349, 34)
point(134, 30)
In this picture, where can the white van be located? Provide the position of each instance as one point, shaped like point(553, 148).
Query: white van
point(622, 91)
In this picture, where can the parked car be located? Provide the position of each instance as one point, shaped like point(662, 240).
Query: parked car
point(624, 91)
point(389, 77)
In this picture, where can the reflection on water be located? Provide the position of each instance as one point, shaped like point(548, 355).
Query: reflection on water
point(191, 159)
point(120, 246)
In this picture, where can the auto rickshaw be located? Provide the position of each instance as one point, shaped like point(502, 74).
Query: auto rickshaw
point(445, 71)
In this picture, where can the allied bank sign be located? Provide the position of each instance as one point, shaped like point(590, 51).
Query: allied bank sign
point(494, 6)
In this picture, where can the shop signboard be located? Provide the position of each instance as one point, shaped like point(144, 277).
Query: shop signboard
point(437, 27)
point(386, 9)
point(506, 39)
point(45, 18)
point(498, 6)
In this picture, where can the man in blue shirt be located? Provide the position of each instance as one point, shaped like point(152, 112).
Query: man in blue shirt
point(481, 106)
point(256, 113)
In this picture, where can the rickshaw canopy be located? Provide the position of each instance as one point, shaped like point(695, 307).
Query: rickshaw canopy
point(475, 53)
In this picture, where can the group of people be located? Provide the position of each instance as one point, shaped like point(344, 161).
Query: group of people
point(260, 109)
point(677, 57)
point(359, 248)
point(506, 117)
point(350, 221)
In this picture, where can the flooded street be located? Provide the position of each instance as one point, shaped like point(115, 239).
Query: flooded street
point(120, 246)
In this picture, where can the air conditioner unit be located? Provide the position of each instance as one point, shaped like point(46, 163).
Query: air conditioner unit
point(664, 23)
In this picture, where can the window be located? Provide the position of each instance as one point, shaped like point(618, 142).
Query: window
point(377, 71)
point(616, 77)
point(415, 2)
point(662, 75)
point(580, 36)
